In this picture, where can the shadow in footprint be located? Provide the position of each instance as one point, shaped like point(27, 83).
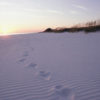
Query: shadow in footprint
point(45, 75)
point(25, 54)
point(65, 92)
point(58, 87)
point(32, 65)
point(22, 60)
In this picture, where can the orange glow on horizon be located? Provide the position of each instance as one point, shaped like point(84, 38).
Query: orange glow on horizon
point(4, 31)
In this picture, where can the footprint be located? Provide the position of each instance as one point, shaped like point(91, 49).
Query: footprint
point(58, 87)
point(63, 93)
point(32, 48)
point(45, 75)
point(22, 60)
point(32, 65)
point(25, 54)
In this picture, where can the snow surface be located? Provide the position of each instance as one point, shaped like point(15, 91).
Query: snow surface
point(50, 66)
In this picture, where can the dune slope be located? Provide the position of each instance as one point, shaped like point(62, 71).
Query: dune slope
point(49, 66)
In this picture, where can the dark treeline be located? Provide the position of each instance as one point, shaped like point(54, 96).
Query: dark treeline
point(92, 26)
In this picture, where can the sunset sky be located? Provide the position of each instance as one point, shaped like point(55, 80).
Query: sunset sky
point(23, 16)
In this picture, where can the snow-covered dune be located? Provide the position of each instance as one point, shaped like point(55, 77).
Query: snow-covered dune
point(50, 66)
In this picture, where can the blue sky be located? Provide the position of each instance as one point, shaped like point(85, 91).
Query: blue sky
point(37, 15)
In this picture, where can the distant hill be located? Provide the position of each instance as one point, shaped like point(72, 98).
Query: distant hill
point(88, 27)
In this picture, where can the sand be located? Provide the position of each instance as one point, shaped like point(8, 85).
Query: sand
point(50, 66)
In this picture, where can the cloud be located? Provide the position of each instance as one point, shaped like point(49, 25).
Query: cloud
point(54, 11)
point(73, 12)
point(80, 7)
point(43, 11)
